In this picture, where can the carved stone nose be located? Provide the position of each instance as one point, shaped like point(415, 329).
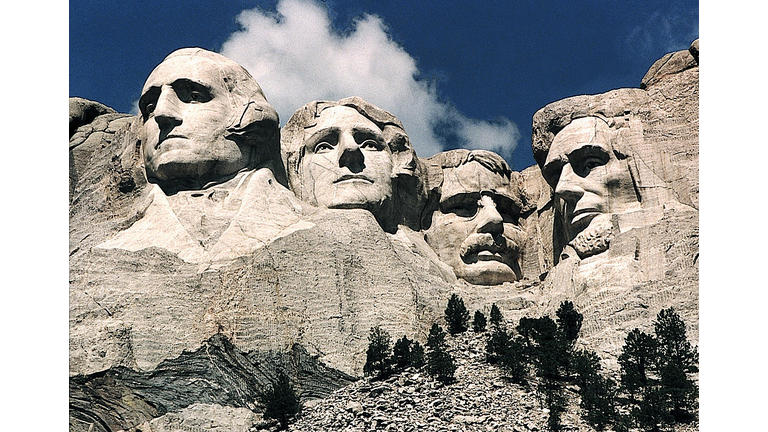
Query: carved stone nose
point(350, 155)
point(167, 109)
point(568, 188)
point(489, 220)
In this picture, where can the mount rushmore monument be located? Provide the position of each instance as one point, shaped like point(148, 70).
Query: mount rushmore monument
point(210, 246)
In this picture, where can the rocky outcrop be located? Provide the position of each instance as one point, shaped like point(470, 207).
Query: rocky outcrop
point(160, 341)
point(216, 374)
point(652, 260)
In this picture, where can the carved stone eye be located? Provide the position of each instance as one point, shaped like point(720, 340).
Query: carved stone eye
point(591, 163)
point(467, 208)
point(323, 147)
point(370, 145)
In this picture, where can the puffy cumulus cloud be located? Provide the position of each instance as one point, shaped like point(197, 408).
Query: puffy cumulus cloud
point(297, 57)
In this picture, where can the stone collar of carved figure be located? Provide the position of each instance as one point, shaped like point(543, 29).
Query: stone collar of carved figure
point(591, 181)
point(347, 163)
point(475, 229)
point(186, 111)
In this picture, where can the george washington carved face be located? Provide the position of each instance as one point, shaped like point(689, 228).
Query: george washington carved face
point(192, 105)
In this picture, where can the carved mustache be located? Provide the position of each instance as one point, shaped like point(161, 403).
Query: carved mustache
point(479, 242)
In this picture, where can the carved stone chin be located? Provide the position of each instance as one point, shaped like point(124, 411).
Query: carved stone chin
point(595, 239)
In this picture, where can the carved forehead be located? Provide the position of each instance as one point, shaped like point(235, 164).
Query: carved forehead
point(195, 68)
point(473, 177)
point(341, 117)
point(581, 132)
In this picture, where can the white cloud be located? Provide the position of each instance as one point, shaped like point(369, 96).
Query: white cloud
point(673, 31)
point(297, 57)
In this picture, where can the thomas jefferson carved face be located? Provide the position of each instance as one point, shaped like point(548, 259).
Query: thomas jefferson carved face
point(475, 229)
point(590, 181)
point(347, 163)
point(186, 111)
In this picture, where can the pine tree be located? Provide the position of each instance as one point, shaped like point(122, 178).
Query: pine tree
point(652, 412)
point(456, 315)
point(440, 363)
point(401, 353)
point(496, 344)
point(637, 360)
point(549, 354)
point(597, 393)
point(377, 361)
point(478, 322)
point(677, 358)
point(496, 318)
point(512, 359)
point(674, 346)
point(569, 321)
point(280, 401)
point(417, 355)
point(556, 403)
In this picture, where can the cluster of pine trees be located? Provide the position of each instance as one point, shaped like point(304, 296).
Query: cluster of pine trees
point(654, 390)
point(379, 363)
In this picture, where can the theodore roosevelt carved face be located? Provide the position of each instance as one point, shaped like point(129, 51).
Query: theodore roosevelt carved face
point(205, 118)
point(475, 225)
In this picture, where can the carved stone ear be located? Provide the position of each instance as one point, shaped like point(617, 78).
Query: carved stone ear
point(403, 156)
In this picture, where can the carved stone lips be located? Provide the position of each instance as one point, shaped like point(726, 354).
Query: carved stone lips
point(484, 247)
point(167, 137)
point(353, 177)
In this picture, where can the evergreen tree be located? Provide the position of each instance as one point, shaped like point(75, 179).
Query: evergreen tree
point(637, 360)
point(280, 401)
point(377, 361)
point(676, 359)
point(597, 393)
point(525, 330)
point(456, 315)
point(497, 319)
point(401, 353)
point(417, 355)
point(440, 363)
point(652, 411)
point(496, 344)
point(569, 321)
point(549, 352)
point(556, 403)
point(478, 322)
point(512, 359)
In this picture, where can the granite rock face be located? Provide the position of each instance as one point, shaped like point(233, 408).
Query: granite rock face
point(626, 262)
point(189, 293)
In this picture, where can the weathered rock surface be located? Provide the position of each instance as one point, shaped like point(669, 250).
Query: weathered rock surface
point(481, 399)
point(652, 260)
point(160, 343)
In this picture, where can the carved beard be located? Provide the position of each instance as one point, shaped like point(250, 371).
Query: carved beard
point(594, 239)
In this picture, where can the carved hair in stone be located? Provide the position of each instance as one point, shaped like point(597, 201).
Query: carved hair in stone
point(352, 154)
point(205, 119)
point(472, 217)
point(589, 158)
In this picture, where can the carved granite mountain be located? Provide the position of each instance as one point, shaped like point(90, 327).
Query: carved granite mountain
point(161, 336)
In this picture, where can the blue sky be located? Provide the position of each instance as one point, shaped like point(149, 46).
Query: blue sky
point(457, 73)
